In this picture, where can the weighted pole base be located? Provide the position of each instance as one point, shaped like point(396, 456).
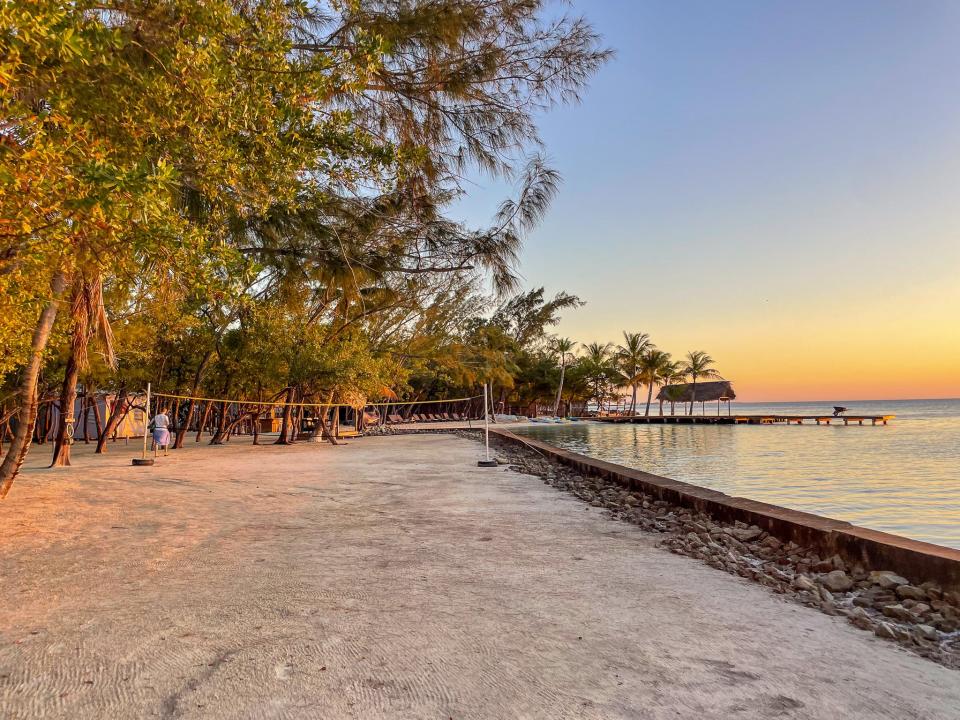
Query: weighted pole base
point(487, 463)
point(140, 462)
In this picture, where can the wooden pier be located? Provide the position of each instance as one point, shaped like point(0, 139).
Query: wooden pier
point(744, 419)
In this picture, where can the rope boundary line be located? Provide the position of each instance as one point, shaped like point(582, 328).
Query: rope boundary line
point(270, 403)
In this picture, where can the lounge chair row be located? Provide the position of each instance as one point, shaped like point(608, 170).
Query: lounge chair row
point(425, 417)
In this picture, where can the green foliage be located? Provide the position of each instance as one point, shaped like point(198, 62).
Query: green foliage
point(525, 317)
point(140, 129)
point(260, 189)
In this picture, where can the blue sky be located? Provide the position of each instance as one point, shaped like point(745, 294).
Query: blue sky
point(747, 171)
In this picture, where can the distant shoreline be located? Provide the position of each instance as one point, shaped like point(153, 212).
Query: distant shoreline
point(841, 400)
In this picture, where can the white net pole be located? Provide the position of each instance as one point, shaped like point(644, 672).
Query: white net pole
point(486, 421)
point(146, 421)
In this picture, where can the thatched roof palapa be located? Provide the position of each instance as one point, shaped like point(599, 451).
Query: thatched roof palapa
point(706, 391)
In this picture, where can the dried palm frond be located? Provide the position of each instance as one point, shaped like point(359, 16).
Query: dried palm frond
point(100, 321)
point(88, 316)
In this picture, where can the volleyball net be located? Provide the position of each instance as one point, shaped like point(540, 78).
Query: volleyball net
point(219, 419)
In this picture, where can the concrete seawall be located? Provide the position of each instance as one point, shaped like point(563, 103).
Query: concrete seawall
point(917, 561)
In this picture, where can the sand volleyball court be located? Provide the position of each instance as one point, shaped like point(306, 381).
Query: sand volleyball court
point(392, 578)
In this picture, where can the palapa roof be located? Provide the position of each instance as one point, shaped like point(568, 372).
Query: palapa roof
point(706, 391)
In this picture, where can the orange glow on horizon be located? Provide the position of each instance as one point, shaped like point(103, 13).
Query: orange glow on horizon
point(889, 346)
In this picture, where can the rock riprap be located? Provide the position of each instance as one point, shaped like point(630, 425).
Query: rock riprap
point(921, 617)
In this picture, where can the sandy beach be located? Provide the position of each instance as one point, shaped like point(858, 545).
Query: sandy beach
point(392, 578)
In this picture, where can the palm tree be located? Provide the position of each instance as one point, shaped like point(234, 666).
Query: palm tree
point(652, 367)
point(698, 365)
point(670, 375)
point(28, 399)
point(88, 319)
point(598, 368)
point(630, 357)
point(673, 394)
point(563, 347)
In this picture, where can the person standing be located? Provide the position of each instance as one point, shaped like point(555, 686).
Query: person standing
point(161, 431)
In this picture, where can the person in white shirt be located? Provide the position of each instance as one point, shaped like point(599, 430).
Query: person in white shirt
point(161, 431)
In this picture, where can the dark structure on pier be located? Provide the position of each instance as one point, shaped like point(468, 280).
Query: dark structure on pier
point(710, 391)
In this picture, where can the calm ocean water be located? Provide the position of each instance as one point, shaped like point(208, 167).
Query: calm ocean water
point(903, 478)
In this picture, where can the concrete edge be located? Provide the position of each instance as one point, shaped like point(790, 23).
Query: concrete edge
point(913, 559)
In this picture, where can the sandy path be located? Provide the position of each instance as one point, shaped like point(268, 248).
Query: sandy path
point(394, 579)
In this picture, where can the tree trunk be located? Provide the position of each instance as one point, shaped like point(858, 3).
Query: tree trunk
point(197, 376)
point(633, 400)
point(649, 398)
point(285, 423)
point(48, 421)
point(556, 403)
point(322, 422)
point(203, 420)
point(297, 419)
point(182, 430)
point(68, 398)
point(232, 425)
point(79, 339)
point(85, 416)
point(235, 423)
point(96, 416)
point(40, 432)
point(296, 413)
point(322, 412)
point(218, 434)
point(27, 392)
point(175, 414)
point(693, 394)
point(116, 414)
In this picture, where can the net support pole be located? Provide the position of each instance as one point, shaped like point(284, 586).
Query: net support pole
point(146, 422)
point(488, 462)
point(143, 459)
point(486, 422)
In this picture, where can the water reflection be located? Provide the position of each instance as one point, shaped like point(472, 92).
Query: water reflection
point(902, 478)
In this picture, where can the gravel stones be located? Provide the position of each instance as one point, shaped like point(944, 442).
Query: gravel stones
point(771, 542)
point(898, 612)
point(887, 580)
point(837, 581)
point(859, 617)
point(802, 582)
point(745, 534)
point(885, 630)
point(911, 592)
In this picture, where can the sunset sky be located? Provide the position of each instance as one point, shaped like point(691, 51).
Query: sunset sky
point(775, 183)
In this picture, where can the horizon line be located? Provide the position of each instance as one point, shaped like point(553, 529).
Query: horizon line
point(821, 400)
